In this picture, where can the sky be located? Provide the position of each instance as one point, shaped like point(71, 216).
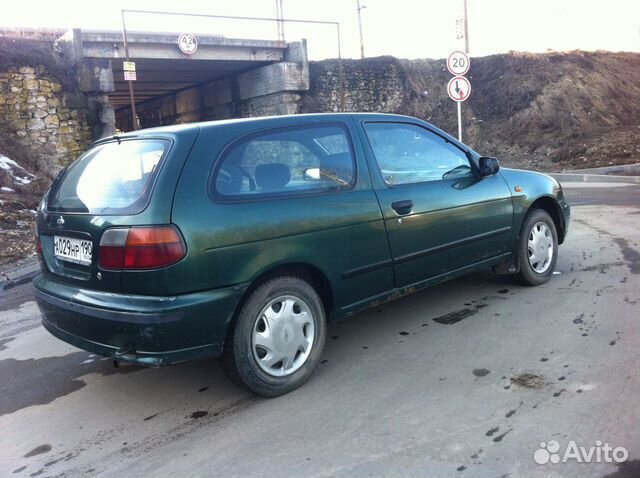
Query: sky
point(402, 28)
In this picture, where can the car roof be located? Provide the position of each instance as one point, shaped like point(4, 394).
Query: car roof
point(258, 122)
point(281, 119)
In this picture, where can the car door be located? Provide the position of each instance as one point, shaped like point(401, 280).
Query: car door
point(281, 192)
point(441, 216)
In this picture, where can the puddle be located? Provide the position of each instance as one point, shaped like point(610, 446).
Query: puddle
point(63, 377)
point(39, 450)
point(630, 255)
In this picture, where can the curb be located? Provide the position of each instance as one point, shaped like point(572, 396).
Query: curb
point(627, 169)
point(19, 274)
point(594, 178)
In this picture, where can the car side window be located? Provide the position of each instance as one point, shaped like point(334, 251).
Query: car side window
point(294, 160)
point(408, 153)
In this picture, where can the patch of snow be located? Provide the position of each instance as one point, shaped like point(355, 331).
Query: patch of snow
point(6, 163)
point(10, 165)
point(6, 189)
point(21, 180)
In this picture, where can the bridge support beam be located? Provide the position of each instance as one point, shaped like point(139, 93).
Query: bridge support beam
point(224, 78)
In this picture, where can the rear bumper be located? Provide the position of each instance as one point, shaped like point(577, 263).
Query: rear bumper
point(148, 330)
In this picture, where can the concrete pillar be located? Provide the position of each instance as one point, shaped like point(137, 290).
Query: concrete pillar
point(95, 80)
point(275, 89)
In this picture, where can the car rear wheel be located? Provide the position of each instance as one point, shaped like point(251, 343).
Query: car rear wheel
point(278, 337)
point(537, 249)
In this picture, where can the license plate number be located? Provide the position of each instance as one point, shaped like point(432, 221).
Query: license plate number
point(72, 250)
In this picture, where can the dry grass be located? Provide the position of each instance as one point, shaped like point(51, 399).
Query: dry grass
point(16, 208)
point(17, 52)
point(564, 110)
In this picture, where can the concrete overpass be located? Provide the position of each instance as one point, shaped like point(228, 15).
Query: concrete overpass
point(225, 77)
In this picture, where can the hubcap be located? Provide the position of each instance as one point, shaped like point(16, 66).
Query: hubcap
point(540, 247)
point(283, 336)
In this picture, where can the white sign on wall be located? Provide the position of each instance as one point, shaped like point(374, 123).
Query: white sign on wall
point(188, 43)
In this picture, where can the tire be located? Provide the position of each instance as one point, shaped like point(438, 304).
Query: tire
point(536, 269)
point(282, 318)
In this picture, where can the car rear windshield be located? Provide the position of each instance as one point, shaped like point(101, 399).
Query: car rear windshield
point(112, 178)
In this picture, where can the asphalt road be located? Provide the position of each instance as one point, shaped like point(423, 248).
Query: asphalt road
point(465, 379)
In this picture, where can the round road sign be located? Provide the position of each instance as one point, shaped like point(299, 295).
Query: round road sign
point(459, 88)
point(458, 63)
point(187, 43)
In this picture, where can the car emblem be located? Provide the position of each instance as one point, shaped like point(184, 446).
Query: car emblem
point(60, 221)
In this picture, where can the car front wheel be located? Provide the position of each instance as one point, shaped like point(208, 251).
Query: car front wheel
point(278, 337)
point(537, 249)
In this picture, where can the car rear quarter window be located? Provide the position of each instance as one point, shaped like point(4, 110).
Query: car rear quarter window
point(111, 178)
point(286, 161)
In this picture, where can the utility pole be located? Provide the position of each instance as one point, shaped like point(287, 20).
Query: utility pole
point(280, 17)
point(132, 100)
point(466, 29)
point(359, 8)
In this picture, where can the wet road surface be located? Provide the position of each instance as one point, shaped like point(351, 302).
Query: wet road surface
point(464, 379)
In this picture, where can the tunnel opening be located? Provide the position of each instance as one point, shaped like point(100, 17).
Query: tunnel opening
point(220, 78)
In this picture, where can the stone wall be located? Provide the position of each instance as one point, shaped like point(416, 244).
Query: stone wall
point(32, 105)
point(369, 85)
point(388, 85)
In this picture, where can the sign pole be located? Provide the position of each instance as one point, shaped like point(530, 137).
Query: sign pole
point(459, 121)
point(459, 87)
point(132, 100)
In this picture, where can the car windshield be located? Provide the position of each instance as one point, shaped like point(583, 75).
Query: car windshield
point(112, 178)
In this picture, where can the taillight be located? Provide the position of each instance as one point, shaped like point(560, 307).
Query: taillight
point(37, 238)
point(38, 246)
point(144, 247)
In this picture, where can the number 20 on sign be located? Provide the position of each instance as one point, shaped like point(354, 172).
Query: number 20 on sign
point(458, 63)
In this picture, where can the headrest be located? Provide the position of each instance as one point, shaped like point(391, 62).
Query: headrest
point(272, 176)
point(229, 180)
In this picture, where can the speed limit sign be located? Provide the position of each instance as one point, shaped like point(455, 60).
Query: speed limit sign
point(458, 63)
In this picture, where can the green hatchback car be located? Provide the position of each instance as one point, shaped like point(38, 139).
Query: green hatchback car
point(242, 238)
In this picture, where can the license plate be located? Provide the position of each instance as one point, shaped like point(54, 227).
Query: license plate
point(72, 250)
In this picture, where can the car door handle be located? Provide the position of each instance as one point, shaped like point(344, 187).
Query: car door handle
point(402, 207)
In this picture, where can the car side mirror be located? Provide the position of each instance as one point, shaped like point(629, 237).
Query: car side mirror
point(488, 166)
